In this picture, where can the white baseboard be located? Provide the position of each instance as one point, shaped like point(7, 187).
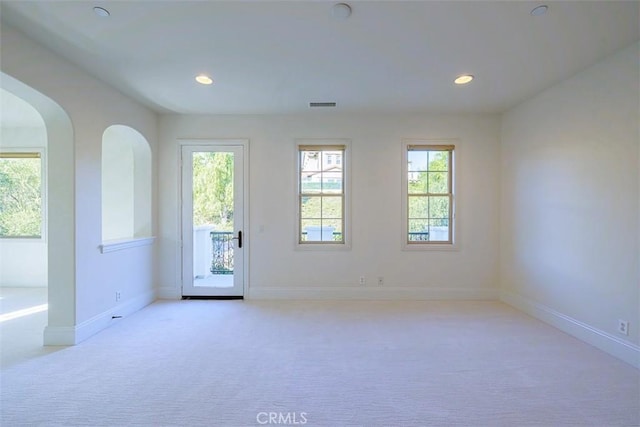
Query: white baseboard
point(169, 293)
point(59, 335)
point(611, 344)
point(372, 293)
point(67, 335)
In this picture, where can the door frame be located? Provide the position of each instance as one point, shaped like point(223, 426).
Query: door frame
point(212, 142)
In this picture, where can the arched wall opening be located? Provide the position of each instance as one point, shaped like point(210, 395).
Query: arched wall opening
point(23, 190)
point(60, 209)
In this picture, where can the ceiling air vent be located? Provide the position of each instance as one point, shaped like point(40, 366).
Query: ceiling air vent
point(322, 104)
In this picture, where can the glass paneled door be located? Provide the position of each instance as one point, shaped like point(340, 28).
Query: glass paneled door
point(213, 243)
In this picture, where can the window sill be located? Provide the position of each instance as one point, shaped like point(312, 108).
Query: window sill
point(121, 244)
point(444, 247)
point(25, 239)
point(323, 247)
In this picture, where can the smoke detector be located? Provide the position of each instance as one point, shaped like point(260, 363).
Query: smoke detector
point(341, 11)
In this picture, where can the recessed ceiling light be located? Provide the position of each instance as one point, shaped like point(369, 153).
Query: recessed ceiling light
point(341, 11)
point(463, 79)
point(101, 12)
point(204, 79)
point(539, 10)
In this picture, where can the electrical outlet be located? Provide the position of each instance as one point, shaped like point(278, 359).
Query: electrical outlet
point(118, 296)
point(363, 280)
point(380, 280)
point(623, 327)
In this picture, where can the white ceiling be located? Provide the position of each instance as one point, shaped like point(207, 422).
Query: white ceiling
point(276, 57)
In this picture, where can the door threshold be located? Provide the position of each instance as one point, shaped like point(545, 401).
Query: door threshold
point(219, 297)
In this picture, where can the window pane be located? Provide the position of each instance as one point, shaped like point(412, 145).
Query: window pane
point(213, 189)
point(336, 225)
point(310, 161)
point(331, 207)
point(438, 207)
point(418, 225)
point(20, 197)
point(417, 182)
point(438, 230)
point(417, 160)
point(438, 182)
point(308, 229)
point(418, 230)
point(310, 207)
point(310, 183)
point(438, 161)
point(418, 207)
point(316, 232)
point(332, 181)
point(328, 159)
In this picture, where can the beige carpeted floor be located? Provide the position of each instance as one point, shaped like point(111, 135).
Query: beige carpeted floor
point(323, 363)
point(21, 337)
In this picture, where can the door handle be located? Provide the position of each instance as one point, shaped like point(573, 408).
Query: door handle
point(239, 239)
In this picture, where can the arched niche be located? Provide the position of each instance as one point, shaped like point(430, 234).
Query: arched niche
point(126, 184)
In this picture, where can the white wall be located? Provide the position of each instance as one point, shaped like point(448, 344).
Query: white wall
point(23, 262)
point(278, 270)
point(92, 106)
point(570, 218)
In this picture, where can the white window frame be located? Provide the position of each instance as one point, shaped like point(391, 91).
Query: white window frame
point(43, 193)
point(427, 245)
point(346, 173)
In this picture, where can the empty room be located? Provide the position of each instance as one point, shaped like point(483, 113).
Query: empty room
point(369, 213)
